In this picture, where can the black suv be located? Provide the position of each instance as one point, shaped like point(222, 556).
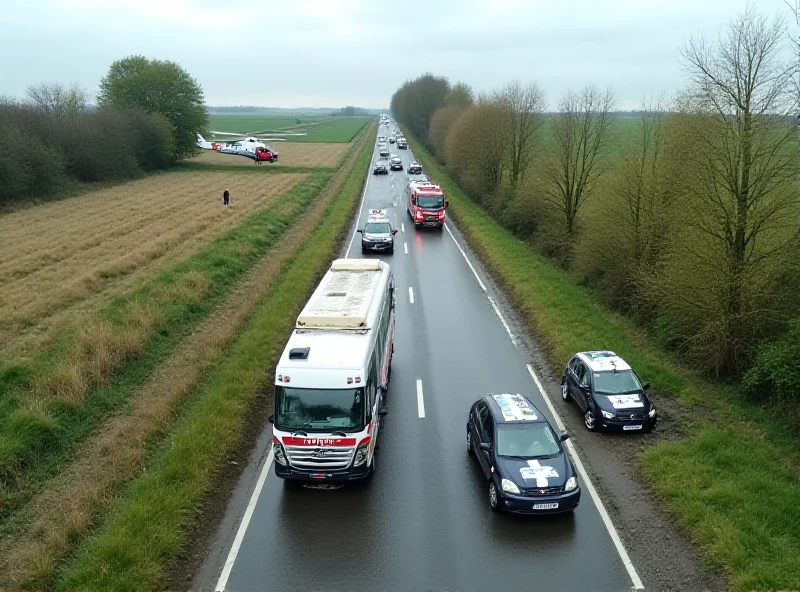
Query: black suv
point(608, 392)
point(380, 168)
point(521, 457)
point(396, 164)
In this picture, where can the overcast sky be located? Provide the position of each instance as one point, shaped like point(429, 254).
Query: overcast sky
point(310, 53)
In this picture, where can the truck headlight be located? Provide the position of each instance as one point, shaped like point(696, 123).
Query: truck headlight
point(572, 483)
point(509, 486)
point(277, 449)
point(607, 415)
point(652, 412)
point(361, 455)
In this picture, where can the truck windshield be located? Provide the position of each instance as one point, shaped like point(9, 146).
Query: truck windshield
point(430, 202)
point(319, 410)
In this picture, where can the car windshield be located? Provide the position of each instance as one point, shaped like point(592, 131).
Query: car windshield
point(319, 410)
point(526, 440)
point(377, 228)
point(615, 383)
point(430, 201)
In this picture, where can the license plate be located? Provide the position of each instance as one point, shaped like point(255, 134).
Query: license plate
point(545, 506)
point(632, 427)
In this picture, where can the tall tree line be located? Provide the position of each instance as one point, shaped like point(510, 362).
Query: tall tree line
point(146, 118)
point(686, 218)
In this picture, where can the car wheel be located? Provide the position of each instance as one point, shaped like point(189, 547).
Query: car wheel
point(469, 443)
point(565, 392)
point(589, 420)
point(493, 498)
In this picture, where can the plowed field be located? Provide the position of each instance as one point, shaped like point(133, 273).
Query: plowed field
point(289, 154)
point(60, 255)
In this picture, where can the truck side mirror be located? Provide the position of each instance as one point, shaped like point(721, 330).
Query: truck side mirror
point(383, 411)
point(446, 203)
point(394, 231)
point(360, 230)
point(563, 437)
point(486, 447)
point(271, 419)
point(646, 386)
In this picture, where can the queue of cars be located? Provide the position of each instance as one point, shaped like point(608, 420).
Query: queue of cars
point(517, 450)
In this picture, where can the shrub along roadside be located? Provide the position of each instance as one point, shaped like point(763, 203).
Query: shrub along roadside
point(49, 403)
point(732, 484)
point(136, 545)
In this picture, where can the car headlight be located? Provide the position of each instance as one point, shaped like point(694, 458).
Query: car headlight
point(509, 486)
point(652, 412)
point(607, 415)
point(361, 455)
point(572, 483)
point(277, 449)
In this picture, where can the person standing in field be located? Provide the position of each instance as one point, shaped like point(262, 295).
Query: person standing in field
point(226, 197)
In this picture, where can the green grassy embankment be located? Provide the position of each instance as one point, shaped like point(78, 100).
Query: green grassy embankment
point(732, 481)
point(136, 545)
point(317, 129)
point(51, 401)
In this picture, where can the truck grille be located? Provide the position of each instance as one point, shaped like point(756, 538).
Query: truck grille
point(308, 457)
point(432, 218)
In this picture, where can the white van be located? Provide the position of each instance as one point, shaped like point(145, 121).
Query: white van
point(331, 380)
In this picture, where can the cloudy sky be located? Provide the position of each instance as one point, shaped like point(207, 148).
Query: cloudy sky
point(310, 53)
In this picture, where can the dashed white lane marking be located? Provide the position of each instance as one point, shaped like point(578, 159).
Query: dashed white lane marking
point(623, 554)
point(237, 542)
point(420, 400)
point(587, 484)
point(405, 248)
point(402, 227)
point(411, 294)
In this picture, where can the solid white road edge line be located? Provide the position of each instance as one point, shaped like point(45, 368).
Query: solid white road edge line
point(360, 206)
point(411, 294)
point(237, 542)
point(405, 248)
point(502, 320)
point(420, 400)
point(475, 273)
point(623, 554)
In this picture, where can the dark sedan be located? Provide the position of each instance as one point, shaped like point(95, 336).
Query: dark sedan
point(521, 457)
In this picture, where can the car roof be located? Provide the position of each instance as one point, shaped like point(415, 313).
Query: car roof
point(513, 408)
point(602, 361)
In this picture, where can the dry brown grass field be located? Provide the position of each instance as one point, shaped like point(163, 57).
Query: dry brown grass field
point(64, 258)
point(289, 154)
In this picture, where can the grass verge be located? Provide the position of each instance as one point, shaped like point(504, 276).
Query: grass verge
point(135, 546)
point(732, 482)
point(50, 402)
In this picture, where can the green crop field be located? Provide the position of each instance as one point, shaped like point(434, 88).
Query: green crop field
point(316, 128)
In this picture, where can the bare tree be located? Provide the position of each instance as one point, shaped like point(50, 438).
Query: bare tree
point(580, 135)
point(54, 98)
point(524, 107)
point(745, 126)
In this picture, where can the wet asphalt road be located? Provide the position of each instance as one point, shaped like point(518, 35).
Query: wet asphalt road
point(424, 522)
